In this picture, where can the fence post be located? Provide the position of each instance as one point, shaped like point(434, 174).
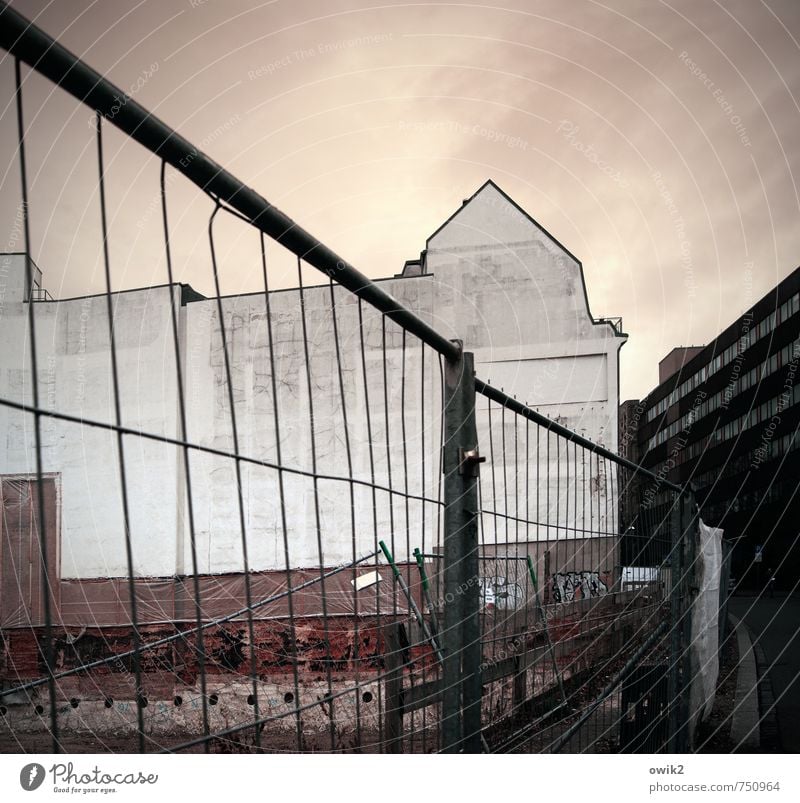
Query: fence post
point(675, 646)
point(689, 535)
point(393, 687)
point(520, 685)
point(682, 567)
point(461, 638)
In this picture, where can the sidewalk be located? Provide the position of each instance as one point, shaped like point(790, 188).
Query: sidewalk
point(773, 625)
point(745, 728)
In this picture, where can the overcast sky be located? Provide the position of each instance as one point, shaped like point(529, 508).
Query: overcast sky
point(658, 141)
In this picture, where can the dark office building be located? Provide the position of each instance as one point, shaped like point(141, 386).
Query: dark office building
point(725, 417)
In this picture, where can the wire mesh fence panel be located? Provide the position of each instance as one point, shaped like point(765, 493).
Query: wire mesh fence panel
point(570, 599)
point(216, 475)
point(291, 518)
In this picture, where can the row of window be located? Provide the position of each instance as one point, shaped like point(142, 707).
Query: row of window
point(789, 307)
point(722, 398)
point(758, 415)
point(690, 452)
point(777, 492)
point(738, 465)
point(761, 414)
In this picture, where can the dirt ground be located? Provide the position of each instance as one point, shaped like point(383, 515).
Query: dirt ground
point(89, 743)
point(713, 735)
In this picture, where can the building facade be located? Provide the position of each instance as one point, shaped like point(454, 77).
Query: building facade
point(724, 417)
point(490, 276)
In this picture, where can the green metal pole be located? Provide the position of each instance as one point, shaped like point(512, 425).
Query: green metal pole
point(426, 591)
point(413, 605)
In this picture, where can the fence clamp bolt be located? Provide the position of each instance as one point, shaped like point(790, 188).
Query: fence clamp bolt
point(468, 461)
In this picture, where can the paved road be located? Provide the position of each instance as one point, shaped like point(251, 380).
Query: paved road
point(776, 624)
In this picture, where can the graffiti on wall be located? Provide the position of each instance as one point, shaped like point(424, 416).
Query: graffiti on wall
point(570, 586)
point(501, 593)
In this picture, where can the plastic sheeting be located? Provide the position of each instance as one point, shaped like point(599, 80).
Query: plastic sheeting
point(705, 624)
point(95, 603)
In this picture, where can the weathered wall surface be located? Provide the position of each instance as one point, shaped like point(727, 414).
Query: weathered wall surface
point(493, 278)
point(394, 396)
point(518, 299)
point(75, 378)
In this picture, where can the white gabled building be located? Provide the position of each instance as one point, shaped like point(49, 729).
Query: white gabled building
point(490, 276)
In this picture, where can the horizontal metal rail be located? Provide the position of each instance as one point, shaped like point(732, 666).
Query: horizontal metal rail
point(542, 420)
point(421, 695)
point(33, 46)
point(616, 680)
point(199, 447)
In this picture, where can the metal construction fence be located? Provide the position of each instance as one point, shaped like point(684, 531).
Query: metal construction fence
point(417, 562)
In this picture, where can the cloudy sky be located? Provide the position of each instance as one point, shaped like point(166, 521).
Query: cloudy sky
point(658, 141)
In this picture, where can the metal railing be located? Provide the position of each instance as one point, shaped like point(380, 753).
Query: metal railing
point(481, 600)
point(40, 294)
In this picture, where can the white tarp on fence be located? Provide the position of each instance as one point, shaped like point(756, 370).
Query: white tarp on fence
point(705, 624)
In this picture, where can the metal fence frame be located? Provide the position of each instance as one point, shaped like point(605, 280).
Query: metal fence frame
point(458, 645)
